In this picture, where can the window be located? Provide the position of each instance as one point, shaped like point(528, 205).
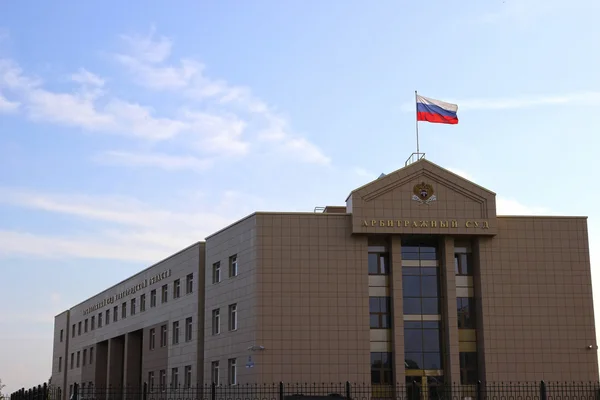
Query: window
point(189, 283)
point(233, 317)
point(163, 379)
point(152, 340)
point(115, 314)
point(153, 298)
point(174, 377)
point(463, 264)
point(176, 332)
point(151, 380)
point(187, 378)
point(422, 345)
point(93, 323)
point(468, 368)
point(91, 355)
point(132, 307)
point(78, 358)
point(123, 310)
point(216, 322)
point(176, 289)
point(100, 320)
point(59, 364)
point(233, 266)
point(216, 272)
point(73, 331)
point(163, 336)
point(62, 332)
point(85, 326)
point(232, 369)
point(164, 294)
point(72, 360)
point(143, 302)
point(379, 309)
point(465, 307)
point(188, 329)
point(84, 357)
point(107, 316)
point(420, 290)
point(79, 329)
point(214, 372)
point(378, 263)
point(381, 368)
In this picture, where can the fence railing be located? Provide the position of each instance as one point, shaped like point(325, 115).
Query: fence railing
point(333, 391)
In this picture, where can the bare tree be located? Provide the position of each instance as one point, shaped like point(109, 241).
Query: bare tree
point(2, 387)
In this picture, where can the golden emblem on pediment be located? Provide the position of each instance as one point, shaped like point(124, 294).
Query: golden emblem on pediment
point(423, 193)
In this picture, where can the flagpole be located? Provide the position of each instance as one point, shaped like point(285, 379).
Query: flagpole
point(417, 122)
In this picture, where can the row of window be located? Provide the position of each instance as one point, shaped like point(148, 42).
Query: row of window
point(215, 374)
point(233, 269)
point(82, 326)
point(174, 335)
point(162, 378)
point(232, 319)
point(76, 359)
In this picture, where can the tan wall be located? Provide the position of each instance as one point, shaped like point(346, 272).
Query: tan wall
point(538, 317)
point(60, 355)
point(313, 310)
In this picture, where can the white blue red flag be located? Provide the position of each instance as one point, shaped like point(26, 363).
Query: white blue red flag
point(436, 111)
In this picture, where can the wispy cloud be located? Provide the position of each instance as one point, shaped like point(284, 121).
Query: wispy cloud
point(7, 106)
point(86, 77)
point(163, 161)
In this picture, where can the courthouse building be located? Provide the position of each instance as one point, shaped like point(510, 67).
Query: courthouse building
point(416, 277)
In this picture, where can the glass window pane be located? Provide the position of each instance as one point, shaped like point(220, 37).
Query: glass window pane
point(383, 265)
point(386, 360)
point(386, 321)
point(413, 340)
point(432, 361)
point(431, 325)
point(412, 306)
point(428, 256)
point(375, 376)
point(384, 304)
point(373, 267)
point(411, 286)
point(409, 255)
point(374, 319)
point(431, 340)
point(429, 286)
point(374, 304)
point(413, 324)
point(427, 249)
point(430, 306)
point(456, 265)
point(375, 360)
point(411, 271)
point(429, 271)
point(387, 376)
point(413, 360)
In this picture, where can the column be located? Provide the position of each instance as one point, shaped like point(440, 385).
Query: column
point(116, 350)
point(133, 365)
point(397, 309)
point(451, 349)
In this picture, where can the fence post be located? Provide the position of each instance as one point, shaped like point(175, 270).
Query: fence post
point(280, 390)
point(479, 396)
point(45, 391)
point(543, 391)
point(145, 391)
point(348, 390)
point(213, 391)
point(75, 391)
point(414, 395)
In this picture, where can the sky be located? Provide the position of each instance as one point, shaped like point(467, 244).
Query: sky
point(130, 130)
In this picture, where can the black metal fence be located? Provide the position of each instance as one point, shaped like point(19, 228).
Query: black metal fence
point(342, 391)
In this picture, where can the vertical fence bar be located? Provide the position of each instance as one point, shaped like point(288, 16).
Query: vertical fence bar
point(145, 391)
point(543, 391)
point(348, 390)
point(213, 391)
point(281, 391)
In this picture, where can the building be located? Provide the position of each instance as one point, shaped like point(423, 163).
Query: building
point(416, 277)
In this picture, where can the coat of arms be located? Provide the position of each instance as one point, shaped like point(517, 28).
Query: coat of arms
point(423, 193)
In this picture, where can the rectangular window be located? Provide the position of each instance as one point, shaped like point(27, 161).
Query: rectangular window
point(165, 294)
point(233, 266)
point(115, 313)
point(107, 317)
point(233, 317)
point(100, 320)
point(132, 306)
point(176, 332)
point(232, 369)
point(188, 329)
point(79, 329)
point(143, 302)
point(380, 312)
point(59, 364)
point(214, 372)
point(91, 355)
point(216, 322)
point(378, 263)
point(176, 289)
point(468, 368)
point(216, 272)
point(163, 379)
point(163, 336)
point(123, 310)
point(381, 368)
point(465, 307)
point(422, 345)
point(72, 360)
point(93, 323)
point(189, 283)
point(73, 331)
point(85, 326)
point(151, 380)
point(153, 298)
point(463, 264)
point(78, 358)
point(84, 357)
point(62, 332)
point(174, 377)
point(421, 290)
point(152, 340)
point(187, 379)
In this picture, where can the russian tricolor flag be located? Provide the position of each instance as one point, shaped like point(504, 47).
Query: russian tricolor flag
point(436, 111)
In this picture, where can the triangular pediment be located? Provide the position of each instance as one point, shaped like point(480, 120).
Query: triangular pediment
point(422, 197)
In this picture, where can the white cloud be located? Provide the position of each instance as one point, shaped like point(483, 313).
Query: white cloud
point(7, 106)
point(164, 161)
point(85, 77)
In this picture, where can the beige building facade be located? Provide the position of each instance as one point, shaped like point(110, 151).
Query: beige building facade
point(415, 278)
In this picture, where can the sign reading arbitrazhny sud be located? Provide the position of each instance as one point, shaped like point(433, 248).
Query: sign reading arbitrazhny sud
point(128, 292)
point(405, 223)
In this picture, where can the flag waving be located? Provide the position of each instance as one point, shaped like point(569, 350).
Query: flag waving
point(436, 111)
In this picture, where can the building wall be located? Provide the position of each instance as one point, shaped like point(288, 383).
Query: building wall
point(313, 306)
point(536, 299)
point(60, 345)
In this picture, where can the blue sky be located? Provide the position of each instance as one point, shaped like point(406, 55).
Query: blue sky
point(129, 130)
